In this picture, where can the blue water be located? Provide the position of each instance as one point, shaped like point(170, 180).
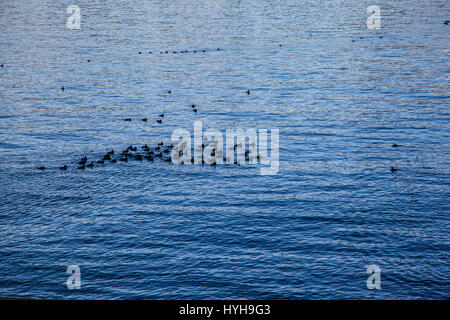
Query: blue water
point(160, 231)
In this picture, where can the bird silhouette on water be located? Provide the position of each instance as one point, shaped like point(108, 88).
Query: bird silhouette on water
point(64, 167)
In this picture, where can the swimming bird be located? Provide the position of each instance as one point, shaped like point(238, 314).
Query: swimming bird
point(2, 65)
point(64, 167)
point(446, 22)
point(162, 115)
point(62, 88)
point(159, 121)
point(125, 159)
point(166, 151)
point(161, 143)
point(89, 60)
point(140, 52)
point(150, 158)
point(195, 110)
point(41, 168)
point(90, 165)
point(111, 152)
point(168, 159)
point(127, 119)
point(138, 157)
point(81, 167)
point(157, 148)
point(144, 119)
point(394, 145)
point(84, 159)
point(393, 169)
point(107, 157)
point(193, 106)
point(114, 160)
point(149, 52)
point(169, 92)
point(248, 92)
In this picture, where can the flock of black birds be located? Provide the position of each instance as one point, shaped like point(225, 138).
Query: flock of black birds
point(182, 51)
point(151, 154)
point(145, 152)
point(130, 153)
point(160, 151)
point(148, 153)
point(145, 119)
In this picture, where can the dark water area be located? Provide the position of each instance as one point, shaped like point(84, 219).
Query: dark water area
point(340, 94)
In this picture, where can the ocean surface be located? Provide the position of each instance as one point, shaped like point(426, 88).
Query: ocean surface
point(340, 94)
